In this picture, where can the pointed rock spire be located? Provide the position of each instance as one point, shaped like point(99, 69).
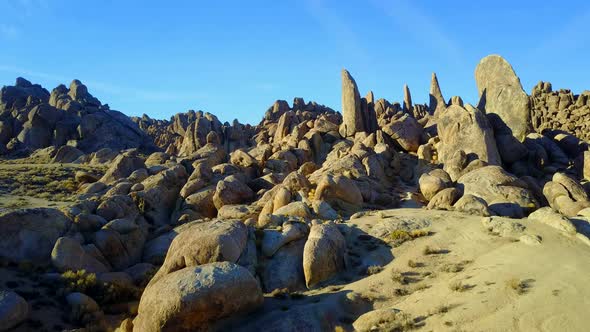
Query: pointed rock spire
point(437, 101)
point(352, 119)
point(368, 112)
point(407, 99)
point(370, 97)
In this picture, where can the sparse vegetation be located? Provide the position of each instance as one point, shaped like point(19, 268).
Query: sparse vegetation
point(428, 250)
point(399, 323)
point(413, 264)
point(454, 267)
point(458, 286)
point(50, 183)
point(78, 281)
point(83, 282)
point(442, 308)
point(400, 236)
point(517, 285)
point(399, 277)
point(374, 269)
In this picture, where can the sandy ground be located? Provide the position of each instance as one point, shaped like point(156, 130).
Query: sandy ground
point(475, 281)
point(556, 294)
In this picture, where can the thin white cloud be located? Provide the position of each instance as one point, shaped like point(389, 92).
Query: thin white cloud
point(344, 36)
point(423, 26)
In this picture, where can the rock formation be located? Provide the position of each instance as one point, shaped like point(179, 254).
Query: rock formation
point(353, 118)
point(195, 218)
point(437, 103)
point(502, 97)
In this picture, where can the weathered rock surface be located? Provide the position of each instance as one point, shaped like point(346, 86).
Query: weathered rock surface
point(502, 97)
point(551, 218)
point(284, 270)
point(13, 310)
point(466, 129)
point(505, 194)
point(352, 119)
point(29, 235)
point(323, 255)
point(122, 167)
point(205, 243)
point(68, 254)
point(192, 298)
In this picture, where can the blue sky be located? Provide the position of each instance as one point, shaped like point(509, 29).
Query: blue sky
point(234, 58)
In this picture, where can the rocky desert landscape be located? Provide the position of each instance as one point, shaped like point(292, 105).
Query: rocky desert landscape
point(381, 216)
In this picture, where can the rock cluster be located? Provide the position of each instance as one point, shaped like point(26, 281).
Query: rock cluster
point(221, 213)
point(32, 118)
point(560, 111)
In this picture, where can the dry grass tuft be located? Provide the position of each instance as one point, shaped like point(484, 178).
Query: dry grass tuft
point(442, 308)
point(458, 286)
point(517, 285)
point(374, 269)
point(399, 277)
point(413, 264)
point(400, 236)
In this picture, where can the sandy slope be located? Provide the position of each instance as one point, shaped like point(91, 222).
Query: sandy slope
point(557, 297)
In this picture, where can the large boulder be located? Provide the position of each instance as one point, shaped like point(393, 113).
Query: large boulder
point(577, 192)
point(562, 198)
point(66, 154)
point(284, 270)
point(155, 250)
point(547, 216)
point(13, 310)
point(203, 243)
point(273, 240)
point(293, 209)
point(68, 254)
point(432, 182)
point(466, 129)
point(340, 192)
point(29, 235)
point(323, 255)
point(502, 97)
point(470, 204)
point(160, 192)
point(121, 241)
point(231, 190)
point(504, 193)
point(192, 298)
point(405, 131)
point(444, 199)
point(122, 167)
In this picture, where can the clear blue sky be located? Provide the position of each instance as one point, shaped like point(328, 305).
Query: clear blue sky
point(234, 58)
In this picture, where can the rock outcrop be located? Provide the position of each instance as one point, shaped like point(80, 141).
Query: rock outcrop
point(13, 310)
point(32, 118)
point(352, 118)
point(29, 235)
point(323, 255)
point(191, 298)
point(466, 129)
point(502, 97)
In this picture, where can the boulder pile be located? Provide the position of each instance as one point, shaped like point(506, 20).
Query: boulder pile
point(209, 215)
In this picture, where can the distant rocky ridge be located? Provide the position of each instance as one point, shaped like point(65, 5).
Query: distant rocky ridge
point(32, 118)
